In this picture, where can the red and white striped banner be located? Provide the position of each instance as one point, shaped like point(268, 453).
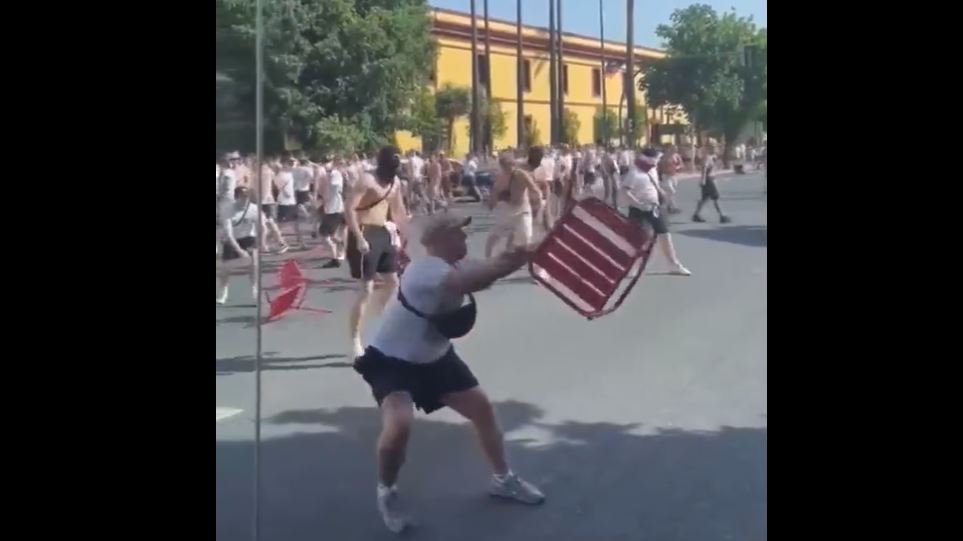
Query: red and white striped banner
point(588, 254)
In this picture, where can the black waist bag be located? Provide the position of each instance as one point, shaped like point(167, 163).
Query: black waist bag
point(454, 324)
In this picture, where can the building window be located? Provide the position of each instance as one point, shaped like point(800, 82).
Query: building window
point(482, 69)
point(528, 75)
point(432, 75)
point(528, 121)
point(565, 79)
point(596, 82)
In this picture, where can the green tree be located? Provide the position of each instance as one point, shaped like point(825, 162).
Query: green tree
point(452, 102)
point(491, 114)
point(609, 120)
point(533, 136)
point(425, 122)
point(705, 73)
point(570, 127)
point(357, 62)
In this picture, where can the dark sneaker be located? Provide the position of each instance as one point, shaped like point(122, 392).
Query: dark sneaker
point(697, 218)
point(724, 219)
point(333, 264)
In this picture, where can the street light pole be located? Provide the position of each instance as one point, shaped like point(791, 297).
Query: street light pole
point(630, 68)
point(562, 82)
point(602, 75)
point(473, 144)
point(489, 143)
point(552, 75)
point(519, 78)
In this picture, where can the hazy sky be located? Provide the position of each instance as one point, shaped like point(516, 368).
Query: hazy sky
point(582, 16)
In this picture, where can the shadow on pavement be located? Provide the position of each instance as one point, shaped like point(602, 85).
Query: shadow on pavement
point(245, 363)
point(746, 235)
point(602, 482)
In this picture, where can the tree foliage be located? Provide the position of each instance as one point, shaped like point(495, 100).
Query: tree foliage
point(452, 102)
point(327, 64)
point(570, 127)
point(533, 136)
point(704, 71)
point(609, 120)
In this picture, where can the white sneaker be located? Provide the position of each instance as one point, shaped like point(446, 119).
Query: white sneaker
point(392, 510)
point(357, 349)
point(222, 298)
point(254, 292)
point(679, 270)
point(515, 488)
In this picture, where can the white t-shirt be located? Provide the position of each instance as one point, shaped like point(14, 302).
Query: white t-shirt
point(416, 168)
point(626, 158)
point(302, 178)
point(406, 336)
point(471, 167)
point(640, 185)
point(226, 184)
point(334, 193)
point(243, 222)
point(285, 183)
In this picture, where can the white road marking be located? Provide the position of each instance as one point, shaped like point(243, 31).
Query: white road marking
point(224, 413)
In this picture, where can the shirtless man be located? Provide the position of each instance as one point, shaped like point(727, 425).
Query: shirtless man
point(510, 200)
point(269, 206)
point(370, 250)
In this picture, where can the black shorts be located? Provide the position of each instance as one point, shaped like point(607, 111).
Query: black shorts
point(426, 383)
point(246, 243)
point(381, 258)
point(656, 220)
point(302, 198)
point(287, 213)
point(710, 190)
point(270, 211)
point(330, 223)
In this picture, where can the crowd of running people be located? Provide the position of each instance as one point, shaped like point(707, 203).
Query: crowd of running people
point(308, 198)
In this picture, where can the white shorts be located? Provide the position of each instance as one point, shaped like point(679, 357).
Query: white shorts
point(510, 221)
point(668, 184)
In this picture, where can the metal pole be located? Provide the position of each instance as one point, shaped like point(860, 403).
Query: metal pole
point(489, 142)
point(561, 72)
point(630, 68)
point(520, 78)
point(602, 75)
point(259, 151)
point(552, 75)
point(473, 144)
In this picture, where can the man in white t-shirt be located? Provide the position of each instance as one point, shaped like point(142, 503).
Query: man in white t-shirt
point(710, 191)
point(416, 181)
point(640, 192)
point(544, 176)
point(240, 241)
point(287, 200)
point(332, 217)
point(411, 362)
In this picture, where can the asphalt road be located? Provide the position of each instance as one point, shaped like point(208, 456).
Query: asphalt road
point(647, 424)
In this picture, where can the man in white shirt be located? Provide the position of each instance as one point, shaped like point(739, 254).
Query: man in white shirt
point(416, 181)
point(641, 194)
point(708, 186)
point(240, 241)
point(411, 362)
point(469, 174)
point(544, 176)
point(332, 217)
point(287, 200)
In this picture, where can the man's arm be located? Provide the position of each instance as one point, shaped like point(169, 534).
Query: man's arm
point(350, 214)
point(482, 275)
point(399, 214)
point(534, 191)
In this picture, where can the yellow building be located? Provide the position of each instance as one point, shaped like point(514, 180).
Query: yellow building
point(581, 83)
